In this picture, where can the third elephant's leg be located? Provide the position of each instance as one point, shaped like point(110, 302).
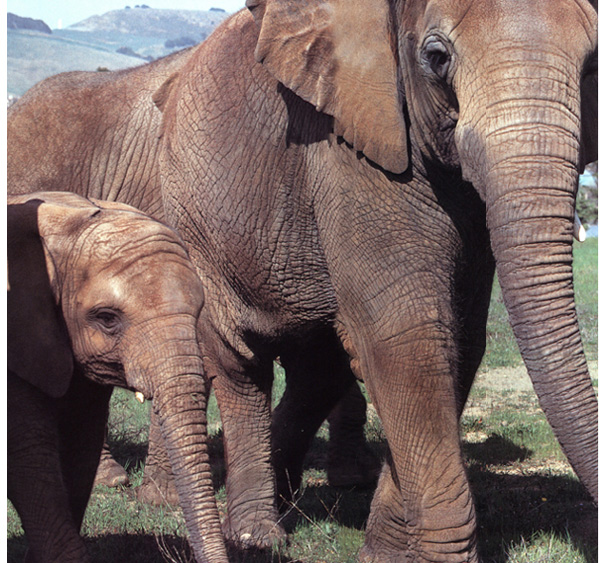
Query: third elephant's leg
point(318, 377)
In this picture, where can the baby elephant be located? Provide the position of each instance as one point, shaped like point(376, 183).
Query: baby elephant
point(98, 295)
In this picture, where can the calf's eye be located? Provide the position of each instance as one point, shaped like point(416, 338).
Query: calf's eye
point(108, 320)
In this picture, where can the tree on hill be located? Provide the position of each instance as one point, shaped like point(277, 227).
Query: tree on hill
point(180, 42)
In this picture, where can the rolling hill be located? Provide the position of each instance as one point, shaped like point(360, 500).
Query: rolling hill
point(34, 56)
point(138, 34)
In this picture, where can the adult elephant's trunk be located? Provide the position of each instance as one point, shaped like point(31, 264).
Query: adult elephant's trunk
point(528, 179)
point(179, 401)
point(532, 243)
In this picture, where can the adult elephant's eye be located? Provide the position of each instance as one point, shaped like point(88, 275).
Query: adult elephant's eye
point(107, 320)
point(436, 57)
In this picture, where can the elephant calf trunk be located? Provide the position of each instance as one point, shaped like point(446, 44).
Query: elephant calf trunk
point(180, 405)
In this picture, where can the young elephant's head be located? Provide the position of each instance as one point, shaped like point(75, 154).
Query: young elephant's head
point(128, 295)
point(103, 288)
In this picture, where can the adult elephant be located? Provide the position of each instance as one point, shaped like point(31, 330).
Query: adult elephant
point(91, 133)
point(349, 174)
point(99, 295)
point(97, 134)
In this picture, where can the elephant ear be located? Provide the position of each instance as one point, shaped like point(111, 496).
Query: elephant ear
point(163, 93)
point(39, 349)
point(339, 56)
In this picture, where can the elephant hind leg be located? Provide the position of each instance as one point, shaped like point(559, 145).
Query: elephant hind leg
point(350, 461)
point(243, 393)
point(320, 384)
point(158, 486)
point(110, 472)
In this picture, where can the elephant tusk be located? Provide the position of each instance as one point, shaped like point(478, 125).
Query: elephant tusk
point(579, 232)
point(140, 397)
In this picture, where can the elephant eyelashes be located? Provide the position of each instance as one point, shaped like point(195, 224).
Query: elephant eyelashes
point(435, 57)
point(107, 320)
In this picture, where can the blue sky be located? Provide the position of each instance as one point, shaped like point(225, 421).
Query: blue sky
point(67, 12)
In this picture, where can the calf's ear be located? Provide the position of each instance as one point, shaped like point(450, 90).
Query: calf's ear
point(39, 349)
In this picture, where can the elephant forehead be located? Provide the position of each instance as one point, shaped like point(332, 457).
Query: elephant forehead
point(127, 237)
point(516, 19)
point(141, 288)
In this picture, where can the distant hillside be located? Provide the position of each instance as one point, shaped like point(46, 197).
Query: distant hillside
point(114, 40)
point(33, 56)
point(153, 23)
point(17, 22)
point(148, 32)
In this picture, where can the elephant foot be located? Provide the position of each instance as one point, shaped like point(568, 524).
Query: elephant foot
point(110, 473)
point(157, 488)
point(265, 534)
point(368, 554)
point(354, 468)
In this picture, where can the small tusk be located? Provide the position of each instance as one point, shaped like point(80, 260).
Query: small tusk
point(579, 232)
point(140, 396)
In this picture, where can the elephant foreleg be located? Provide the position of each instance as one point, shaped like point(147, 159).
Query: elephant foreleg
point(34, 480)
point(422, 508)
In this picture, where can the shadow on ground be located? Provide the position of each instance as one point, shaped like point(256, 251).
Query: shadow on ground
point(511, 506)
point(143, 548)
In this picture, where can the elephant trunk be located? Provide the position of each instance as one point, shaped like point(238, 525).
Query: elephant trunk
point(530, 178)
point(179, 401)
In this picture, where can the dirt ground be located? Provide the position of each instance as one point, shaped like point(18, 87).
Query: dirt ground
point(513, 378)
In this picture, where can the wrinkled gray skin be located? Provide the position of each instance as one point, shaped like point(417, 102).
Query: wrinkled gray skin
point(91, 133)
point(349, 175)
point(96, 134)
point(99, 295)
point(349, 463)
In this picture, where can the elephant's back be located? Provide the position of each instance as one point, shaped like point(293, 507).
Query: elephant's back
point(94, 133)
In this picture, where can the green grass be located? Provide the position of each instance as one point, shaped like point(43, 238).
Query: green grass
point(530, 507)
point(585, 288)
